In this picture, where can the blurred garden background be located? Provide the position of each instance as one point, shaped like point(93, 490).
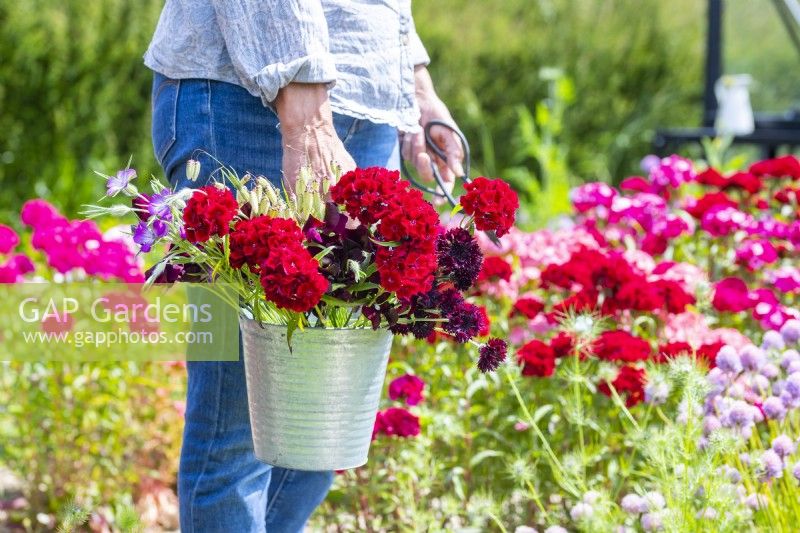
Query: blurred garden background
point(550, 93)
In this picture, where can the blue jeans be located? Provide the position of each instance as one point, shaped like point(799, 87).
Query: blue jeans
point(221, 485)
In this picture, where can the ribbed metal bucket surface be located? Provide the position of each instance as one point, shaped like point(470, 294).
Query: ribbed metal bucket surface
point(313, 408)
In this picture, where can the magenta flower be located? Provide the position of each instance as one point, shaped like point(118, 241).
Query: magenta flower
point(672, 171)
point(723, 220)
point(38, 213)
point(396, 421)
point(592, 195)
point(731, 294)
point(407, 387)
point(756, 254)
point(8, 239)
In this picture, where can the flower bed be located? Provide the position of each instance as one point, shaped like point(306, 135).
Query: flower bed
point(656, 366)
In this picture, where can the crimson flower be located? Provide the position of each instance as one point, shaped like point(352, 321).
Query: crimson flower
point(562, 344)
point(209, 212)
point(291, 279)
point(396, 421)
point(619, 345)
point(711, 177)
point(778, 167)
point(406, 269)
point(528, 307)
point(673, 296)
point(629, 384)
point(709, 201)
point(537, 359)
point(252, 239)
point(492, 202)
point(407, 387)
point(409, 218)
point(670, 350)
point(495, 268)
point(367, 193)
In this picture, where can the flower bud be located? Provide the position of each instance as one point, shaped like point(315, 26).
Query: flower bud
point(192, 170)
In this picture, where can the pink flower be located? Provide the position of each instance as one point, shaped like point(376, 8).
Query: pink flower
point(408, 387)
point(15, 268)
point(672, 171)
point(8, 239)
point(38, 213)
point(731, 294)
point(721, 221)
point(785, 279)
point(756, 254)
point(592, 195)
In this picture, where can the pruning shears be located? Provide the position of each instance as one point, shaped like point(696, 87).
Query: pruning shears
point(441, 190)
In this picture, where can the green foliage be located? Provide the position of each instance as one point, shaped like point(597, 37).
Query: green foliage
point(74, 94)
point(82, 433)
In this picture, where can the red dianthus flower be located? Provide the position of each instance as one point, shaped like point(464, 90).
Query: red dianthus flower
point(409, 217)
point(291, 279)
point(252, 239)
point(618, 345)
point(493, 204)
point(629, 384)
point(537, 359)
point(367, 193)
point(406, 269)
point(396, 421)
point(495, 268)
point(209, 212)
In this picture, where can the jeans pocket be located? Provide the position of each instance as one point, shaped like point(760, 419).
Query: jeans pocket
point(165, 111)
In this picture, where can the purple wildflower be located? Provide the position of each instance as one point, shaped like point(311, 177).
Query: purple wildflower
point(756, 501)
point(144, 236)
point(770, 371)
point(120, 181)
point(581, 511)
point(791, 331)
point(773, 408)
point(796, 471)
point(634, 504)
point(792, 385)
point(728, 360)
point(158, 206)
point(710, 425)
point(771, 465)
point(789, 357)
point(783, 446)
point(752, 357)
point(772, 340)
point(652, 521)
point(656, 392)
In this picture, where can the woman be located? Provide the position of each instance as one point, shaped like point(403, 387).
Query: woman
point(267, 86)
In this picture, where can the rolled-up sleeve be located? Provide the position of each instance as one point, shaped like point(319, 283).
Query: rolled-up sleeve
point(416, 50)
point(272, 43)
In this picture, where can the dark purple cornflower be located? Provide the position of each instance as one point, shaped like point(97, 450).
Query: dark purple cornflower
point(464, 322)
point(144, 236)
point(158, 206)
point(492, 354)
point(120, 181)
point(459, 257)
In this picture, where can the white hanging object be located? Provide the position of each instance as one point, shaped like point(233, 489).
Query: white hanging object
point(734, 112)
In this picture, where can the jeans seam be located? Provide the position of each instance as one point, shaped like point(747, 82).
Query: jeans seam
point(351, 130)
point(277, 495)
point(212, 139)
point(208, 451)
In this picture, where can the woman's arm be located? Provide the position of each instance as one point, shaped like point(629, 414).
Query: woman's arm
point(281, 46)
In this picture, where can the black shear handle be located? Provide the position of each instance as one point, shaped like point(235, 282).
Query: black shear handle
point(441, 191)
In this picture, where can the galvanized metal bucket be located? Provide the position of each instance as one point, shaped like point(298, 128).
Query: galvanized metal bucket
point(313, 407)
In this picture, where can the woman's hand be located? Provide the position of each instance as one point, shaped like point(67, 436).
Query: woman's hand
point(414, 148)
point(309, 137)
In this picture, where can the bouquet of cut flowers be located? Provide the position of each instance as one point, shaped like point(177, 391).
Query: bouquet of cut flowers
point(365, 251)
